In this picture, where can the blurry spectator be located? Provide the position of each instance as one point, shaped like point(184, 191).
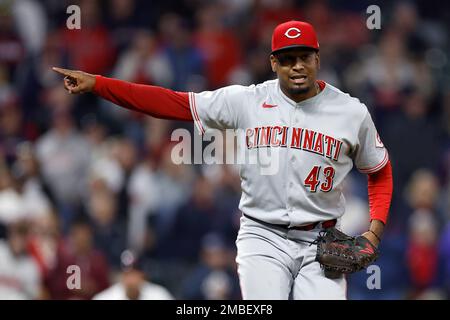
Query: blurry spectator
point(422, 249)
point(56, 11)
point(122, 21)
point(333, 26)
point(78, 249)
point(19, 273)
point(20, 198)
point(6, 87)
point(33, 80)
point(248, 72)
point(384, 72)
point(112, 164)
point(422, 253)
point(269, 13)
point(157, 134)
point(185, 59)
point(406, 17)
point(444, 251)
point(355, 220)
point(11, 47)
point(50, 55)
point(224, 177)
point(104, 166)
point(63, 155)
point(423, 190)
point(445, 164)
point(446, 112)
point(236, 14)
point(219, 46)
point(43, 244)
point(11, 127)
point(31, 23)
point(413, 138)
point(94, 131)
point(227, 187)
point(126, 155)
point(35, 192)
point(158, 192)
point(215, 277)
point(93, 35)
point(419, 34)
point(197, 217)
point(142, 63)
point(11, 205)
point(144, 194)
point(133, 284)
point(422, 194)
point(109, 231)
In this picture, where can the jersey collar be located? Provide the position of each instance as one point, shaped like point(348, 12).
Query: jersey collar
point(323, 87)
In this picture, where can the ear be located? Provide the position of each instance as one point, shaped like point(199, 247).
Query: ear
point(318, 60)
point(273, 63)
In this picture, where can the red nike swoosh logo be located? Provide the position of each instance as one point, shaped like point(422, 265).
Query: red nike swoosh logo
point(265, 105)
point(368, 249)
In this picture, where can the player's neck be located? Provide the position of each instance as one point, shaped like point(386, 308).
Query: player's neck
point(314, 90)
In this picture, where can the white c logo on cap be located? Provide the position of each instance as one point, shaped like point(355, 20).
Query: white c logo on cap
point(293, 35)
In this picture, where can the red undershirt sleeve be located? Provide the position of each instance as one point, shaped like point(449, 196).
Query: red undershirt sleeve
point(380, 187)
point(155, 101)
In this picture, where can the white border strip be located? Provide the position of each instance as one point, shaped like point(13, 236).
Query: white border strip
point(194, 113)
point(378, 166)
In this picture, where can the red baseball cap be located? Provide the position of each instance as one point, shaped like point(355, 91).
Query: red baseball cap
point(294, 34)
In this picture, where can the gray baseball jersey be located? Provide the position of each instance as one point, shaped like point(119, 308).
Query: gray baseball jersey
point(317, 140)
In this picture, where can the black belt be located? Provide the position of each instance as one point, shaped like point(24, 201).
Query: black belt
point(325, 224)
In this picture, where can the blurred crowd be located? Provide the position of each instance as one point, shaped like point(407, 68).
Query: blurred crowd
point(86, 183)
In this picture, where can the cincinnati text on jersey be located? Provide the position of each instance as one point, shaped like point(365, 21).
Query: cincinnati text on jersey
point(297, 138)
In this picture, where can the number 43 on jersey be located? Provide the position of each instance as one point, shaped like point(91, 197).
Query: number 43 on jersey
point(313, 180)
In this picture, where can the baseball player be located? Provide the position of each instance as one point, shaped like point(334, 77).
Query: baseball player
point(318, 131)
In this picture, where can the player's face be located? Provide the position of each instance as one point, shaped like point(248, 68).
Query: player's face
point(297, 72)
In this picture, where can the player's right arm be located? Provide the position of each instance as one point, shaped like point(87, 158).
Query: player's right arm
point(155, 101)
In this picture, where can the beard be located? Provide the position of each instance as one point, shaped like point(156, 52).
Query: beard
point(297, 90)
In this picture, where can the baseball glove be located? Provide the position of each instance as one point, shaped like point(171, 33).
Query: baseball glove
point(339, 253)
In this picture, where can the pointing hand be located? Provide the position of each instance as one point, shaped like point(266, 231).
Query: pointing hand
point(76, 81)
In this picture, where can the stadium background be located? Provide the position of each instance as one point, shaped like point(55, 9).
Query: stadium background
point(81, 180)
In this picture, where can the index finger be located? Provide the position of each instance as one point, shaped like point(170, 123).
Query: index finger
point(65, 72)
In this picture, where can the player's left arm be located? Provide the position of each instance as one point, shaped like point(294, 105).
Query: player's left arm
point(372, 158)
point(380, 187)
